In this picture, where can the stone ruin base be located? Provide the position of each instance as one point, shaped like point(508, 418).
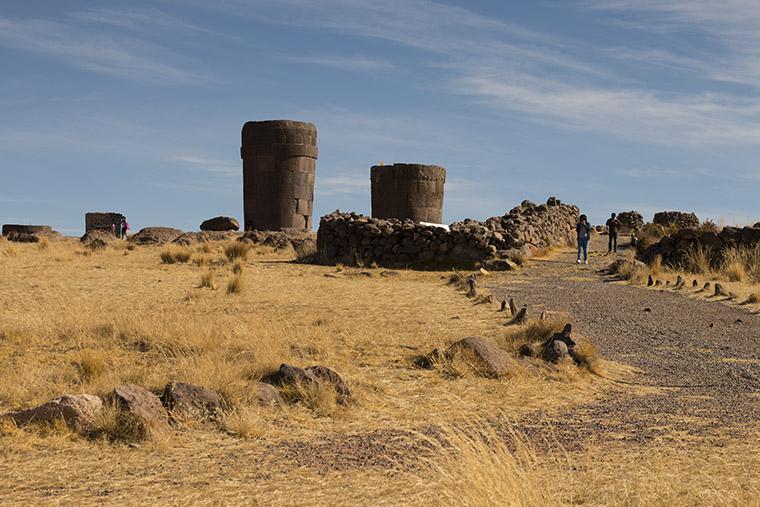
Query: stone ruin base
point(29, 233)
point(351, 238)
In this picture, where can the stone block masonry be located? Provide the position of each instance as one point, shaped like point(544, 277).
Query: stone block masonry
point(102, 221)
point(408, 191)
point(352, 238)
point(279, 169)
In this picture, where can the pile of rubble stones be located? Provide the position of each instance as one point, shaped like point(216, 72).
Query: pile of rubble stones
point(674, 248)
point(350, 237)
point(675, 219)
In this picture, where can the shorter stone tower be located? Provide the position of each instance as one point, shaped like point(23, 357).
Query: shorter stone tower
point(279, 169)
point(411, 191)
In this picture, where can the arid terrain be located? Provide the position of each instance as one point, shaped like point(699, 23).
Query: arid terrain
point(667, 415)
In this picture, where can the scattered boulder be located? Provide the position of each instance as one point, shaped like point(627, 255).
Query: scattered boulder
point(303, 242)
point(267, 395)
point(220, 224)
point(650, 281)
point(143, 407)
point(630, 220)
point(314, 376)
point(552, 351)
point(520, 318)
point(485, 357)
point(186, 402)
point(97, 239)
point(79, 412)
point(190, 238)
point(530, 350)
point(155, 235)
point(555, 352)
point(719, 290)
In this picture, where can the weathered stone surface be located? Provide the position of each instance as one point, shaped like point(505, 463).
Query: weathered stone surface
point(676, 219)
point(279, 169)
point(485, 357)
point(555, 352)
point(267, 395)
point(351, 238)
point(79, 412)
point(220, 224)
point(29, 233)
point(187, 401)
point(301, 241)
point(156, 235)
point(311, 376)
point(408, 191)
point(105, 221)
point(190, 238)
point(97, 238)
point(530, 350)
point(630, 220)
point(558, 346)
point(144, 406)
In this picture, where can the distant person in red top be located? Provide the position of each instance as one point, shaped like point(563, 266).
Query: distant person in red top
point(113, 229)
point(613, 227)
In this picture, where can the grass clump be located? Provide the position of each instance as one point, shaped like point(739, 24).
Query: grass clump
point(235, 250)
point(174, 254)
point(207, 280)
point(536, 331)
point(90, 364)
point(235, 283)
point(243, 422)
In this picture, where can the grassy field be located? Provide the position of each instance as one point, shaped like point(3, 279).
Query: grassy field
point(79, 321)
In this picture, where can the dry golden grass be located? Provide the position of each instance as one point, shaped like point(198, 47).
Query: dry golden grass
point(535, 331)
point(174, 254)
point(235, 283)
point(237, 250)
point(208, 280)
point(75, 323)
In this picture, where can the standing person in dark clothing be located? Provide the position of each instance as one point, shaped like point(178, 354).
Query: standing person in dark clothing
point(584, 235)
point(613, 226)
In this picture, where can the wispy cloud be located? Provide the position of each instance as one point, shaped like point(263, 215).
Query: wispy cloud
point(352, 63)
point(341, 184)
point(561, 83)
point(136, 19)
point(221, 167)
point(123, 57)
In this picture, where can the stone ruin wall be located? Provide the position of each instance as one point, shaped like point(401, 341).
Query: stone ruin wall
point(674, 248)
point(676, 219)
point(408, 191)
point(350, 237)
point(102, 221)
point(279, 169)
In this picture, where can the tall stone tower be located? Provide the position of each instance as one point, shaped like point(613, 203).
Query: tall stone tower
point(411, 191)
point(279, 168)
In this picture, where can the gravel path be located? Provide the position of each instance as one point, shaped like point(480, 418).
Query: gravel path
point(703, 355)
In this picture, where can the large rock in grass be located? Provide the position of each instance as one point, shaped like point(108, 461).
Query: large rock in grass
point(79, 412)
point(267, 395)
point(486, 359)
point(155, 235)
point(142, 406)
point(313, 376)
point(220, 224)
point(187, 402)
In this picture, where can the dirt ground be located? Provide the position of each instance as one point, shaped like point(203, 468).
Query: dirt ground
point(671, 420)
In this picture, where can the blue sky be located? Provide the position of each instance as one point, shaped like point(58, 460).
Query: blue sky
point(611, 104)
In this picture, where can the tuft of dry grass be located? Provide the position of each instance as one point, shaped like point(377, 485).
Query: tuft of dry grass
point(235, 283)
point(320, 398)
point(699, 260)
point(655, 267)
point(588, 357)
point(208, 280)
point(237, 250)
point(116, 426)
point(175, 254)
point(243, 422)
point(535, 331)
point(237, 266)
point(734, 271)
point(754, 297)
point(90, 364)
